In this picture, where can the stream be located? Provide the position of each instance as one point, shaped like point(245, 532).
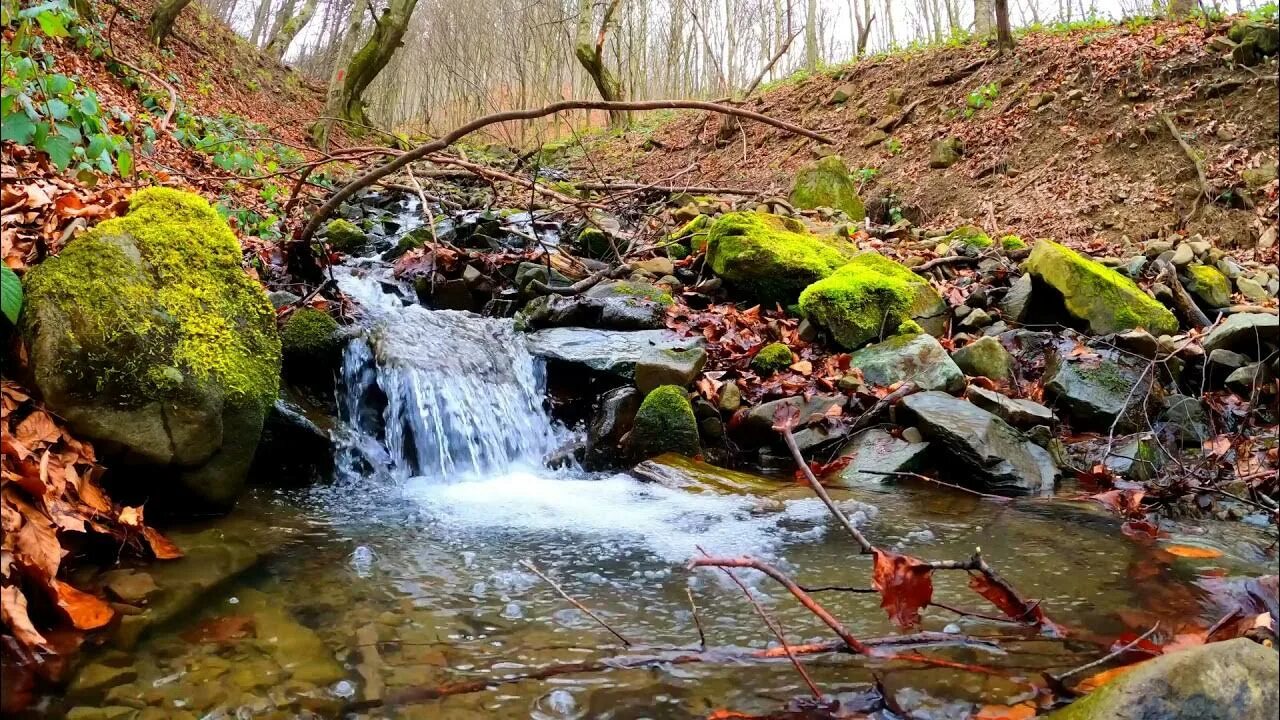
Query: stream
point(408, 565)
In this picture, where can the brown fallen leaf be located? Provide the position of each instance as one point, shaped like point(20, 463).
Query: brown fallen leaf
point(13, 608)
point(85, 611)
point(905, 585)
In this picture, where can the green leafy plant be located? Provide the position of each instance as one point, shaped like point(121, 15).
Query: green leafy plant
point(232, 141)
point(894, 146)
point(981, 98)
point(10, 294)
point(51, 111)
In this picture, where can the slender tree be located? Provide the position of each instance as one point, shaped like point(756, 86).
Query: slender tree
point(289, 29)
point(162, 19)
point(811, 50)
point(591, 55)
point(1004, 34)
point(370, 59)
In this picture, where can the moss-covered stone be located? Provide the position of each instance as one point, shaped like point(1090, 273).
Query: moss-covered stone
point(634, 289)
point(692, 236)
point(1209, 285)
point(147, 335)
point(771, 258)
point(665, 423)
point(945, 153)
point(827, 183)
point(868, 298)
point(969, 236)
point(1108, 301)
point(985, 357)
point(343, 236)
point(594, 243)
point(309, 333)
point(771, 358)
point(1009, 243)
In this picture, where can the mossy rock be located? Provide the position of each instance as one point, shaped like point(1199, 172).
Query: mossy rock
point(945, 153)
point(770, 258)
point(665, 423)
point(969, 236)
point(771, 358)
point(594, 243)
point(343, 236)
point(692, 236)
point(148, 337)
point(1094, 293)
point(827, 183)
point(1209, 285)
point(1010, 243)
point(310, 335)
point(871, 297)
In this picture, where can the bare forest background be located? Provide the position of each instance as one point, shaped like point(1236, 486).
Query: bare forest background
point(458, 59)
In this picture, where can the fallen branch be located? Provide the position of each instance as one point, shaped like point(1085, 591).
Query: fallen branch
point(422, 151)
point(582, 285)
point(958, 75)
point(1191, 155)
point(529, 564)
point(1182, 300)
point(493, 174)
point(1056, 680)
point(669, 189)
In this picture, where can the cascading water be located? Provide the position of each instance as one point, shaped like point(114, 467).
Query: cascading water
point(438, 393)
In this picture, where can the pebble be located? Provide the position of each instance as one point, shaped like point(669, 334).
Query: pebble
point(1156, 248)
point(1183, 255)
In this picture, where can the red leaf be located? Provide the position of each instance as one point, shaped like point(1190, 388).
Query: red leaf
point(905, 584)
point(1012, 606)
point(85, 611)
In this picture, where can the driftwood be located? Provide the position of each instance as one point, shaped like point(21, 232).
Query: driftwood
point(1182, 300)
point(377, 173)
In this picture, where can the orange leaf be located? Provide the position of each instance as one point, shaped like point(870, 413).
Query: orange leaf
point(221, 629)
point(1093, 682)
point(131, 516)
point(1011, 605)
point(85, 611)
point(1191, 551)
point(1021, 711)
point(905, 584)
point(161, 546)
point(37, 427)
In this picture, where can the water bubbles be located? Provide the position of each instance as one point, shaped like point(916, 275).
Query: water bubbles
point(233, 600)
point(468, 559)
point(952, 629)
point(559, 704)
point(362, 561)
point(479, 589)
point(343, 689)
point(512, 611)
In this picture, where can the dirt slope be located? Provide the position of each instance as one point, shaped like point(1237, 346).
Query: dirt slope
point(1093, 163)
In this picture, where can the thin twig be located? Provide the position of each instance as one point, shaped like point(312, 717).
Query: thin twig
point(1106, 658)
point(697, 622)
point(529, 564)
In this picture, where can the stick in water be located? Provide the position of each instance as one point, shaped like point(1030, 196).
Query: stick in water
point(529, 564)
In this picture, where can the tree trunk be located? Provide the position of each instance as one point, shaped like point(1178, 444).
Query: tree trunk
point(289, 29)
point(591, 56)
point(983, 18)
point(260, 17)
point(369, 60)
point(811, 36)
point(1181, 8)
point(162, 19)
point(86, 10)
point(1004, 33)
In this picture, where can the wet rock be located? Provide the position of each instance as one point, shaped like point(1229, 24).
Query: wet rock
point(614, 413)
point(758, 423)
point(871, 297)
point(130, 586)
point(1136, 457)
point(1246, 333)
point(93, 681)
point(1097, 295)
point(668, 366)
point(110, 712)
point(282, 298)
point(918, 358)
point(452, 294)
point(827, 183)
point(527, 272)
point(294, 451)
point(678, 472)
point(1016, 302)
point(877, 450)
point(1230, 680)
point(946, 152)
point(1099, 391)
point(613, 313)
point(730, 397)
point(1249, 378)
point(1186, 415)
point(297, 649)
point(148, 338)
point(343, 236)
point(984, 357)
point(665, 423)
point(1209, 285)
point(1018, 412)
point(989, 450)
point(610, 352)
point(1139, 342)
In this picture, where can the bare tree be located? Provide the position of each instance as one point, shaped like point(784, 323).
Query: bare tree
point(162, 19)
point(1004, 34)
point(370, 59)
point(591, 55)
point(289, 29)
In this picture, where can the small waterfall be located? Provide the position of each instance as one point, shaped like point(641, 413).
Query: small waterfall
point(437, 393)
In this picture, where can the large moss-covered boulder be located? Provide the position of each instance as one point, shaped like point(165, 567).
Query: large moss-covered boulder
point(148, 338)
point(665, 423)
point(770, 258)
point(827, 183)
point(1097, 295)
point(1231, 680)
point(871, 297)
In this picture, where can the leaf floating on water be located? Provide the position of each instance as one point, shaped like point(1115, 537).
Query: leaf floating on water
point(1021, 711)
point(221, 629)
point(905, 584)
point(161, 546)
point(85, 611)
point(1192, 551)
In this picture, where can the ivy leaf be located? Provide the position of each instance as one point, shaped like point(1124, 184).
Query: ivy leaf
point(59, 150)
point(52, 24)
point(124, 161)
point(18, 128)
point(58, 109)
point(97, 145)
point(10, 294)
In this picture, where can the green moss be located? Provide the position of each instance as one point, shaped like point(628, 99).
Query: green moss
point(868, 298)
point(1107, 300)
point(969, 235)
point(771, 358)
point(1209, 284)
point(1012, 242)
point(771, 258)
point(594, 243)
point(694, 232)
point(344, 236)
point(827, 183)
point(642, 290)
point(187, 311)
point(309, 332)
point(665, 423)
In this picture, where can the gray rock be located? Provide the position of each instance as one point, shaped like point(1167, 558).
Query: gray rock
point(615, 311)
point(1244, 332)
point(294, 450)
point(678, 472)
point(918, 358)
point(1249, 378)
point(984, 357)
point(730, 397)
point(1018, 412)
point(946, 152)
point(527, 272)
point(1183, 255)
point(1186, 415)
point(1228, 359)
point(1015, 303)
point(1136, 457)
point(758, 424)
point(612, 418)
point(1097, 389)
point(1230, 680)
point(668, 366)
point(282, 298)
point(976, 319)
point(1252, 290)
point(611, 352)
point(985, 448)
point(1138, 341)
point(877, 450)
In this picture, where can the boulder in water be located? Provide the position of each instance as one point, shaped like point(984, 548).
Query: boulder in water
point(770, 258)
point(918, 358)
point(669, 366)
point(613, 416)
point(989, 450)
point(871, 297)
point(679, 472)
point(608, 352)
point(877, 450)
point(311, 343)
point(1230, 680)
point(343, 236)
point(665, 423)
point(294, 451)
point(827, 183)
point(149, 339)
point(1097, 295)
